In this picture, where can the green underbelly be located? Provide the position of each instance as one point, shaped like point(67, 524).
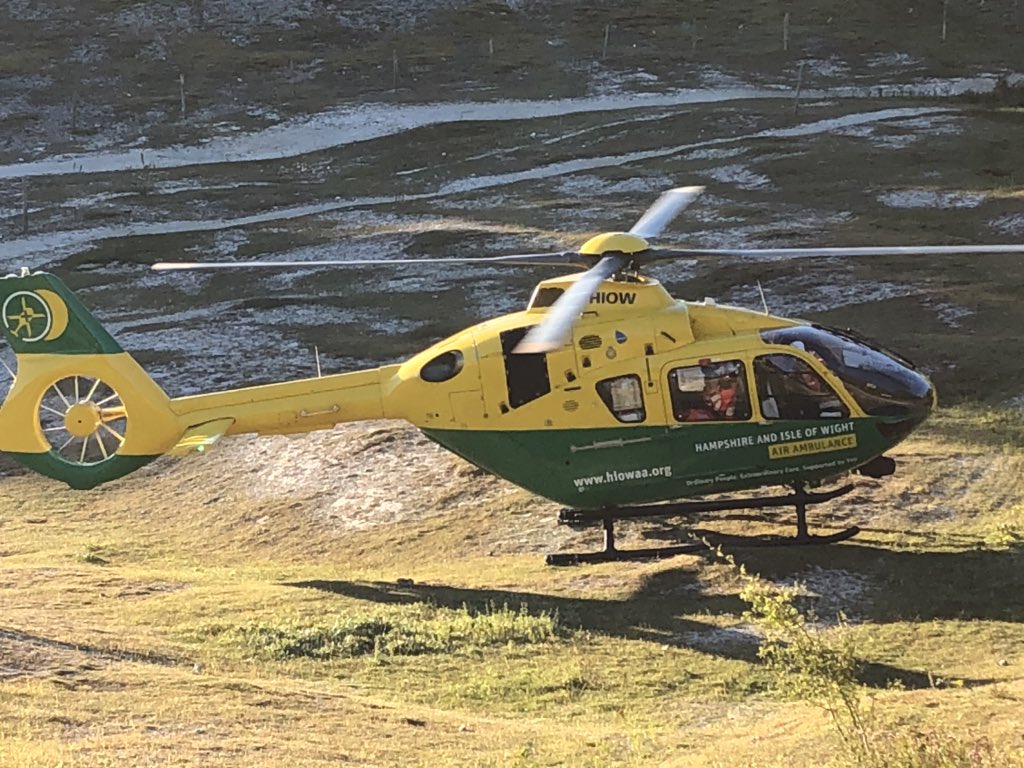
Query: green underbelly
point(594, 468)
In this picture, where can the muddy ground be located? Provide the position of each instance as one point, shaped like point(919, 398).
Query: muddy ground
point(256, 130)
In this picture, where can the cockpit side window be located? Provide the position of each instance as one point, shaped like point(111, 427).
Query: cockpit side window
point(882, 384)
point(545, 297)
point(710, 392)
point(789, 388)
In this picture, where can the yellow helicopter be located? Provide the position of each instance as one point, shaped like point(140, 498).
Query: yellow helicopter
point(604, 394)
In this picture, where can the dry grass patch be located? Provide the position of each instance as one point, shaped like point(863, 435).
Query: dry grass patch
point(226, 626)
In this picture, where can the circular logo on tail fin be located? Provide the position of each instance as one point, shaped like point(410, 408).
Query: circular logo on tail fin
point(31, 316)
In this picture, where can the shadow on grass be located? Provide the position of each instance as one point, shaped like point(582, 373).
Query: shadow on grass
point(652, 613)
point(13, 639)
point(906, 585)
point(643, 617)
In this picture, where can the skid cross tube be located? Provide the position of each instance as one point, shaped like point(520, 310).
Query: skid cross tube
point(800, 499)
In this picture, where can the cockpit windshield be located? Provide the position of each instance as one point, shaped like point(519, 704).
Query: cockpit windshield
point(881, 383)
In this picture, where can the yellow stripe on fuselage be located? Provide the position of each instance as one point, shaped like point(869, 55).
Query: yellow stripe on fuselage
point(294, 406)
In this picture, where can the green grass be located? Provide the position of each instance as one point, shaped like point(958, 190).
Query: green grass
point(410, 631)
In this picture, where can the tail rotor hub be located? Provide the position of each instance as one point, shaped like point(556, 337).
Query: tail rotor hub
point(83, 419)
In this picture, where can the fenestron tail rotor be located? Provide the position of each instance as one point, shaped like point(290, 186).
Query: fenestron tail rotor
point(83, 419)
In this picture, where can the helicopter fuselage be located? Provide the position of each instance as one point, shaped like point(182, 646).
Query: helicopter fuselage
point(627, 413)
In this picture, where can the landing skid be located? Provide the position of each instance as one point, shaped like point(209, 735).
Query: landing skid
point(800, 499)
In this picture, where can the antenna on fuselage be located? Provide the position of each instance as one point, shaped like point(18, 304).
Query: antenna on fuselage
point(316, 354)
point(764, 302)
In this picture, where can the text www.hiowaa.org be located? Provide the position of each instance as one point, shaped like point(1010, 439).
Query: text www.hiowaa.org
point(621, 476)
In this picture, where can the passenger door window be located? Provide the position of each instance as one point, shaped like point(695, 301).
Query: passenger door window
point(710, 392)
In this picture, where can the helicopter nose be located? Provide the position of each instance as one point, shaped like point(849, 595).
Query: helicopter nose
point(919, 406)
point(927, 404)
point(911, 414)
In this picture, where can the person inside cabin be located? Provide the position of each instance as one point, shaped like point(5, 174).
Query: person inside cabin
point(791, 389)
point(819, 400)
point(722, 398)
point(827, 404)
point(721, 394)
point(712, 403)
point(702, 412)
point(710, 392)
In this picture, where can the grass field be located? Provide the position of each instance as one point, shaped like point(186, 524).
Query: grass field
point(218, 613)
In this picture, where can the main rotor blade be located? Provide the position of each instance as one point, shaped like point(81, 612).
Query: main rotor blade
point(556, 326)
point(665, 208)
point(571, 258)
point(664, 254)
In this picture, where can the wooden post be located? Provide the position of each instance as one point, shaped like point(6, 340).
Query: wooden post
point(799, 85)
point(693, 44)
point(945, 7)
point(24, 207)
point(785, 32)
point(394, 69)
point(74, 112)
point(604, 50)
point(490, 47)
point(181, 90)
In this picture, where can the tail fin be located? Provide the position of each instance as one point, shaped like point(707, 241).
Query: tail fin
point(80, 409)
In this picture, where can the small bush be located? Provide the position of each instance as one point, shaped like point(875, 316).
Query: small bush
point(811, 667)
point(930, 749)
point(821, 668)
point(93, 554)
